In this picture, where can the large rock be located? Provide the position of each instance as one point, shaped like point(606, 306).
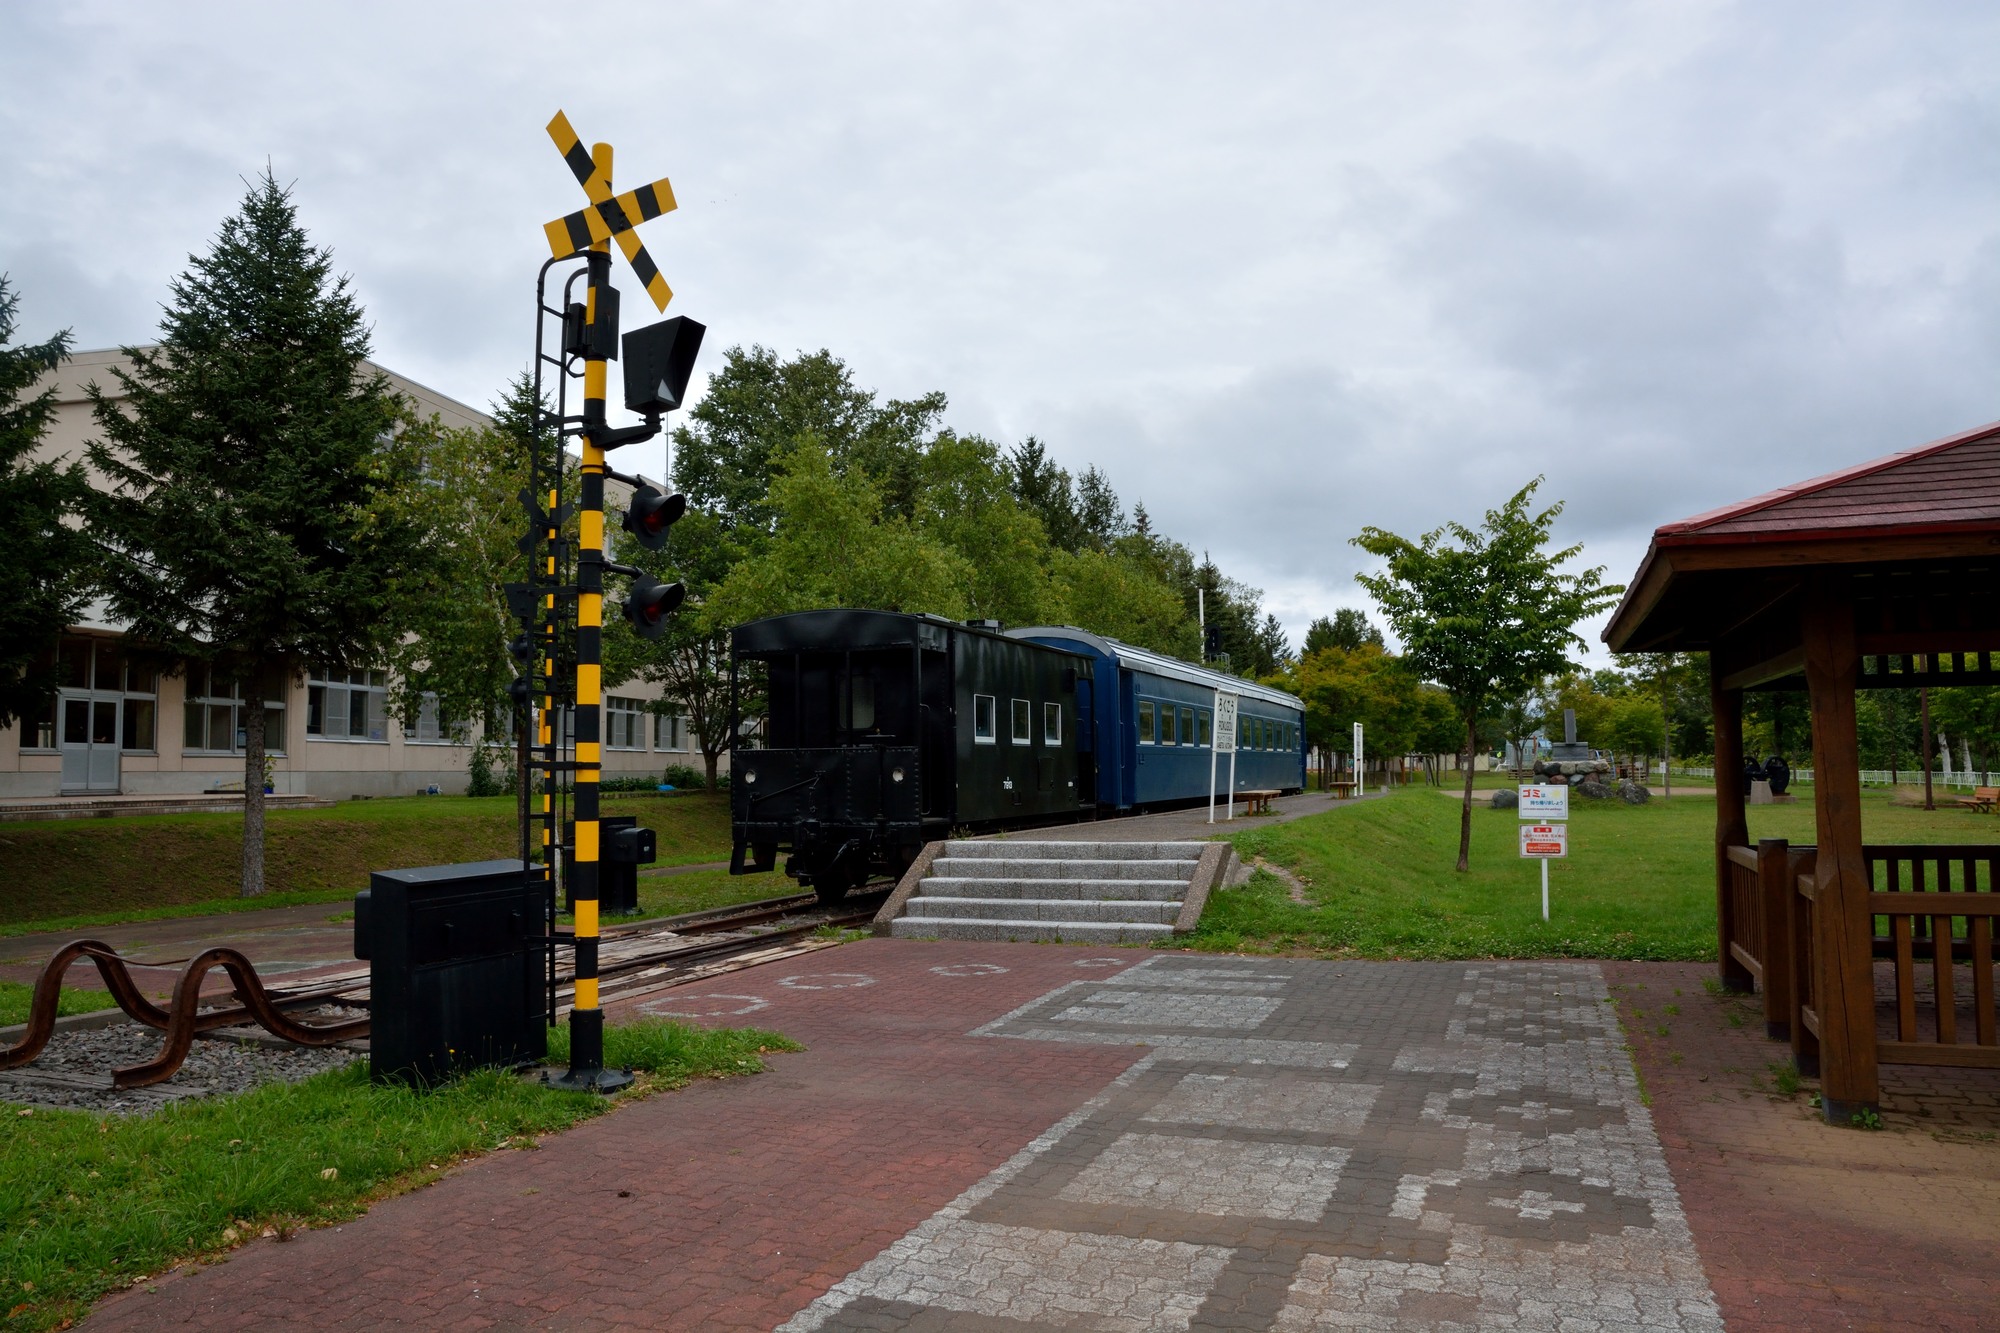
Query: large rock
point(1632, 793)
point(1506, 799)
point(1591, 789)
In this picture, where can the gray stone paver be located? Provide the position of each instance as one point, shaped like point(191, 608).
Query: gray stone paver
point(1312, 1145)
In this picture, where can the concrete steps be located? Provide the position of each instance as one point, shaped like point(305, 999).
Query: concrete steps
point(1083, 892)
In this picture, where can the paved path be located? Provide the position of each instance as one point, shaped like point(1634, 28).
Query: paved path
point(1019, 1137)
point(1190, 825)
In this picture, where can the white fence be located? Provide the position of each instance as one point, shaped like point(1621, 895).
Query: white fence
point(1871, 777)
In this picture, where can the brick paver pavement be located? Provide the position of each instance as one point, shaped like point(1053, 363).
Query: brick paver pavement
point(1802, 1224)
point(1024, 1137)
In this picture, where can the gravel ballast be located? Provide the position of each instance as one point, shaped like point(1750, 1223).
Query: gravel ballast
point(74, 1071)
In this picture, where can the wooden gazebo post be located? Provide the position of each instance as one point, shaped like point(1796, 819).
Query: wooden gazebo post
point(1844, 987)
point(1732, 827)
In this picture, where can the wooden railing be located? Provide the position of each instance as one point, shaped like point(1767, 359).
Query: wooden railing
point(1932, 908)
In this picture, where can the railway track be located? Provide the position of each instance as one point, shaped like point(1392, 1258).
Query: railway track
point(635, 961)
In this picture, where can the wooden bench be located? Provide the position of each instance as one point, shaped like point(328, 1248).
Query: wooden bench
point(1342, 787)
point(1982, 800)
point(1256, 802)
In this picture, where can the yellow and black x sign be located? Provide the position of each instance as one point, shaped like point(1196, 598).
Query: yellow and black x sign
point(609, 216)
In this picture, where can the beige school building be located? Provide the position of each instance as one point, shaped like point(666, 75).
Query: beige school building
point(120, 728)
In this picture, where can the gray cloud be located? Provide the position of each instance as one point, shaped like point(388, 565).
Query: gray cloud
point(1282, 270)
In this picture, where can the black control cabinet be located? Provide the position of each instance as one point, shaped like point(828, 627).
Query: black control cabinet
point(457, 968)
point(622, 847)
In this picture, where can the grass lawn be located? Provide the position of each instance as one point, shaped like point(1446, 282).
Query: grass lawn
point(78, 872)
point(1639, 882)
point(90, 1204)
point(14, 998)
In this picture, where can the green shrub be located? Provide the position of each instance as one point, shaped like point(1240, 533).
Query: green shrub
point(685, 776)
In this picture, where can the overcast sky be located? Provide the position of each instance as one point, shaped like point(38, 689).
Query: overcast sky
point(1281, 270)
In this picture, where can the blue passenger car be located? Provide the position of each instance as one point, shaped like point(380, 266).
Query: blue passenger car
point(1149, 722)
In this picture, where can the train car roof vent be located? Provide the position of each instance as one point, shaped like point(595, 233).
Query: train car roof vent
point(993, 625)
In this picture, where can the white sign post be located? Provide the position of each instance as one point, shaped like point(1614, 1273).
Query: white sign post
point(1223, 740)
point(1359, 780)
point(1545, 843)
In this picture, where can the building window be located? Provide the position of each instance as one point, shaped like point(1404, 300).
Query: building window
point(432, 728)
point(1052, 724)
point(1166, 724)
point(1145, 722)
point(624, 725)
point(348, 706)
point(213, 714)
point(1022, 715)
point(670, 733)
point(984, 720)
point(1204, 722)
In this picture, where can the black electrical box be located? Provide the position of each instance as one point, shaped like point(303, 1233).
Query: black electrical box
point(622, 847)
point(457, 968)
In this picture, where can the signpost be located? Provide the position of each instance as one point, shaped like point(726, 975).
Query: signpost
point(1543, 838)
point(1360, 788)
point(1224, 738)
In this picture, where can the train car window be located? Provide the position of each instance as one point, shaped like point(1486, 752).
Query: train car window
point(1145, 722)
point(1166, 724)
point(1052, 724)
point(861, 703)
point(1242, 733)
point(983, 720)
point(1022, 713)
point(1187, 726)
point(1205, 722)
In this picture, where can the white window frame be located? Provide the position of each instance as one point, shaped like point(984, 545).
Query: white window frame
point(371, 687)
point(1052, 732)
point(207, 701)
point(985, 720)
point(1021, 723)
point(670, 734)
point(621, 715)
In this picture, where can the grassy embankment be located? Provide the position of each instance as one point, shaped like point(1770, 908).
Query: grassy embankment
point(61, 874)
point(1639, 882)
point(90, 1204)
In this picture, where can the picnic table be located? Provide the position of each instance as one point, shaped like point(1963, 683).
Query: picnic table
point(1256, 802)
point(1342, 787)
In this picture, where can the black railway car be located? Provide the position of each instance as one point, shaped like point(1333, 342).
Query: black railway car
point(884, 731)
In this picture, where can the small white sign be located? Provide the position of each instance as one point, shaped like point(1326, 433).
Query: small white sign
point(1545, 805)
point(1225, 722)
point(1545, 841)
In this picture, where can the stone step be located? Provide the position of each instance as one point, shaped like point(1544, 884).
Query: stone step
point(1151, 912)
point(1005, 849)
point(994, 887)
point(1080, 932)
point(993, 867)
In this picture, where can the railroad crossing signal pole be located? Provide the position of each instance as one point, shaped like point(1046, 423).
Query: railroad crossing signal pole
point(655, 388)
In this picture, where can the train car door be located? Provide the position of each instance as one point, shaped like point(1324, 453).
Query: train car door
point(1086, 740)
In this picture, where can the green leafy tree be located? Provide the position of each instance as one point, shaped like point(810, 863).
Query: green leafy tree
point(758, 407)
point(1110, 593)
point(690, 659)
point(964, 501)
point(834, 547)
point(1347, 628)
point(46, 560)
point(248, 522)
point(1484, 612)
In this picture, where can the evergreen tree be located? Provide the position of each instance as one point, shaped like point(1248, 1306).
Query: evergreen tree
point(249, 521)
point(45, 562)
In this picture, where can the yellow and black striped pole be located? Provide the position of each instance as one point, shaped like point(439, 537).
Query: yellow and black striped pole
point(586, 1019)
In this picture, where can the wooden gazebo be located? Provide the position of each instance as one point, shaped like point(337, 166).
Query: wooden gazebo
point(1885, 575)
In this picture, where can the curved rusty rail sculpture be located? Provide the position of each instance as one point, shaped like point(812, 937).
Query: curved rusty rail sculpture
point(181, 1020)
